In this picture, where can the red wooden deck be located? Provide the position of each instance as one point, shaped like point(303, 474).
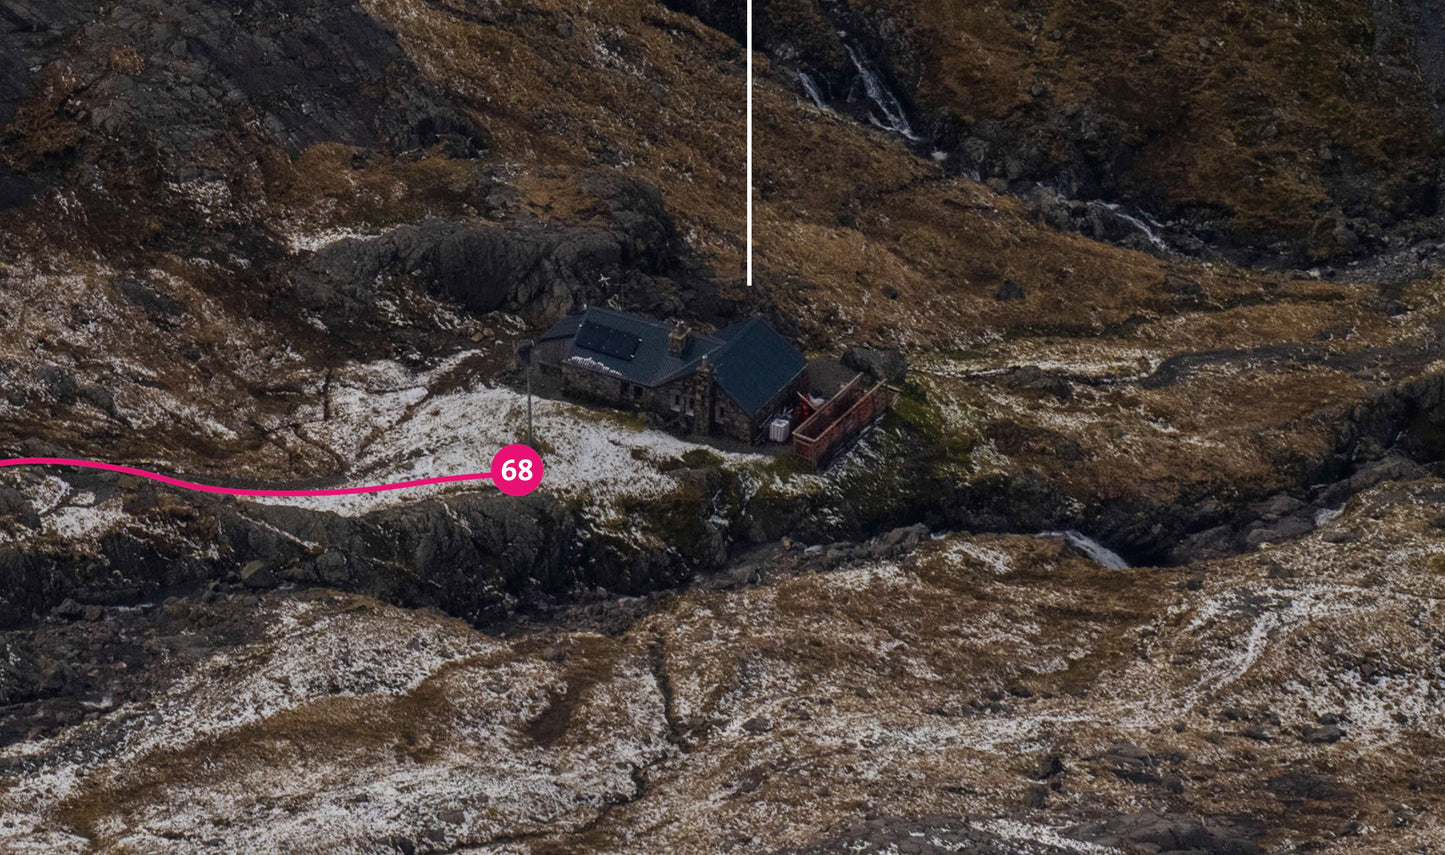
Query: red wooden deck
point(840, 419)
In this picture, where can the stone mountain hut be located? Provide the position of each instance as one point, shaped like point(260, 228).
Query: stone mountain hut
point(732, 383)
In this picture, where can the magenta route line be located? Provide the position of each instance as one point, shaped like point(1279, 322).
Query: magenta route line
point(237, 491)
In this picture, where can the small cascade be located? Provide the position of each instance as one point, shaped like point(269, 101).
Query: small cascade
point(1093, 549)
point(1143, 227)
point(811, 87)
point(887, 104)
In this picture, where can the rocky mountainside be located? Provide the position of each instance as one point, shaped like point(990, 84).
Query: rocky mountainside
point(1303, 130)
point(1167, 282)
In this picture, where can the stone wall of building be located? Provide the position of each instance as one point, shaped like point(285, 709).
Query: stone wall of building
point(740, 425)
point(671, 402)
point(593, 385)
point(730, 420)
point(713, 412)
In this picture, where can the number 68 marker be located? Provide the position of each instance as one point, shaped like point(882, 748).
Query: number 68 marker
point(517, 470)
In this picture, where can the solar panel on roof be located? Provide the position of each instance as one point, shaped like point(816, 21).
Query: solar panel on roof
point(607, 340)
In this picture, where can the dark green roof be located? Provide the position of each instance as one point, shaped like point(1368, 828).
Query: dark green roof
point(756, 364)
point(565, 328)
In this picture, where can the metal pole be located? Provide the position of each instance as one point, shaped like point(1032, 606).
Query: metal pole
point(529, 400)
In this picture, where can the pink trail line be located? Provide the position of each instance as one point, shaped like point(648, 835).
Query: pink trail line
point(235, 491)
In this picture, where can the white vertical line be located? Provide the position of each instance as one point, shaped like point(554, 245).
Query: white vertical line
point(748, 57)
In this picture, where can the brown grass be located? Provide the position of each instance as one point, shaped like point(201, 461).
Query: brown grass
point(1230, 105)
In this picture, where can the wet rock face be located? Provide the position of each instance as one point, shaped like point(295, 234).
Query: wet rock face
point(86, 662)
point(474, 558)
point(539, 271)
point(479, 557)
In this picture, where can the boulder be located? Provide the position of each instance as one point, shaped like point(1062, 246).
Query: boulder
point(69, 610)
point(258, 574)
point(58, 382)
point(1302, 784)
point(158, 307)
point(1284, 529)
point(1048, 766)
point(757, 725)
point(1036, 796)
point(1009, 290)
point(1276, 506)
point(13, 504)
point(1033, 377)
point(1325, 735)
point(1130, 762)
point(899, 541)
point(888, 366)
point(1212, 543)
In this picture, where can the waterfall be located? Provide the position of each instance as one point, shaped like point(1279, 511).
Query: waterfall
point(1137, 223)
point(812, 89)
point(887, 103)
point(1096, 551)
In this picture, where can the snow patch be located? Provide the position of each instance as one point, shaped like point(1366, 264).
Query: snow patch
point(74, 523)
point(299, 242)
point(387, 426)
point(996, 561)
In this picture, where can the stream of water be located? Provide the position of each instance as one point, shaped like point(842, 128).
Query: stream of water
point(887, 104)
point(1143, 227)
point(811, 87)
point(1096, 551)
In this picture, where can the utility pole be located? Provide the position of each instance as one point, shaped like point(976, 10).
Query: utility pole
point(524, 352)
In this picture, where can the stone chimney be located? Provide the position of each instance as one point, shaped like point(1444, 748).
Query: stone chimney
point(678, 338)
point(706, 397)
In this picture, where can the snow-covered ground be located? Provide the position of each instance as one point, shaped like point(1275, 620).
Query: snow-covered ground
point(387, 426)
point(384, 423)
point(465, 770)
point(930, 684)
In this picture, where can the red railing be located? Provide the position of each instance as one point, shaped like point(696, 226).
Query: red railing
point(841, 418)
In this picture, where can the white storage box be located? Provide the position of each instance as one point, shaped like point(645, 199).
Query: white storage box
point(780, 428)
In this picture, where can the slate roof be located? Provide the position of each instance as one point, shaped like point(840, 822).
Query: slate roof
point(565, 328)
point(755, 364)
point(752, 362)
point(606, 331)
